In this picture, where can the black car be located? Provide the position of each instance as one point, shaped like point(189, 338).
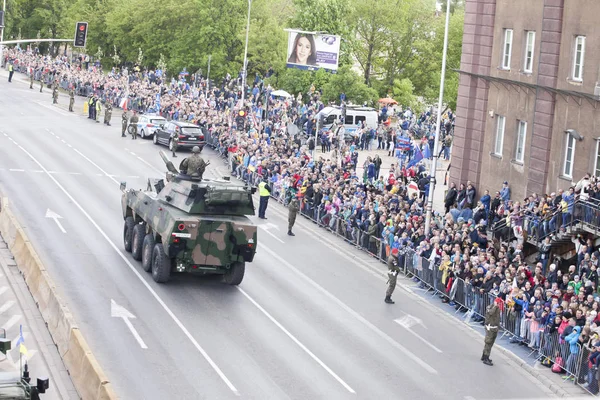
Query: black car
point(190, 135)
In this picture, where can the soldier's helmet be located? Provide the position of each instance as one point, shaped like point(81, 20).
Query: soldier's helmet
point(196, 149)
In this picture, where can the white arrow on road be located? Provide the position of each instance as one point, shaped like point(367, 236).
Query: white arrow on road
point(407, 322)
point(118, 311)
point(51, 214)
point(268, 225)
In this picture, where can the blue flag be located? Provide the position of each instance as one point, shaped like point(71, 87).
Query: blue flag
point(427, 151)
point(417, 157)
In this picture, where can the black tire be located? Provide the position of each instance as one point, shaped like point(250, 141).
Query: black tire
point(161, 264)
point(147, 249)
point(128, 233)
point(143, 134)
point(137, 240)
point(235, 274)
point(155, 138)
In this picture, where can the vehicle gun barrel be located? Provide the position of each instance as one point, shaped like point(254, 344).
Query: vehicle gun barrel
point(168, 163)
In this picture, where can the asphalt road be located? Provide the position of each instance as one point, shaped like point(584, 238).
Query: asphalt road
point(307, 322)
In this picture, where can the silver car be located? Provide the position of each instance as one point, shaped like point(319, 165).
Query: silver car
point(147, 124)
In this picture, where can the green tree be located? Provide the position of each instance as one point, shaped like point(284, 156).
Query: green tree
point(403, 92)
point(349, 82)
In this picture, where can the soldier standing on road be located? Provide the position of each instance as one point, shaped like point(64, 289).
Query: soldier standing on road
point(393, 269)
point(71, 98)
point(124, 119)
point(42, 77)
point(91, 107)
point(133, 121)
point(55, 92)
point(492, 322)
point(194, 165)
point(31, 73)
point(264, 191)
point(11, 71)
point(293, 209)
point(175, 143)
point(107, 113)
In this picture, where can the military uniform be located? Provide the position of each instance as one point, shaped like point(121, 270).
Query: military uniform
point(393, 270)
point(107, 113)
point(31, 74)
point(174, 143)
point(55, 92)
point(194, 165)
point(492, 324)
point(124, 119)
point(71, 99)
point(293, 209)
point(133, 121)
point(42, 81)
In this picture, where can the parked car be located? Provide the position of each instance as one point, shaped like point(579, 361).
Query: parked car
point(148, 124)
point(190, 135)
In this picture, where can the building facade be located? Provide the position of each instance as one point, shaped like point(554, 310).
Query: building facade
point(528, 110)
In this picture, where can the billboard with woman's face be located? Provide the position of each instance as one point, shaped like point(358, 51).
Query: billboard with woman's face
point(313, 51)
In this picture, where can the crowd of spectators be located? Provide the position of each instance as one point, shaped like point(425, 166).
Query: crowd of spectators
point(380, 209)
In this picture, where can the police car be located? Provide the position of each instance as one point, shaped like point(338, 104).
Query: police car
point(148, 124)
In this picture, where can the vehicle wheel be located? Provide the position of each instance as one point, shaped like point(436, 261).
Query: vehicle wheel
point(154, 139)
point(171, 145)
point(147, 248)
point(128, 233)
point(137, 240)
point(161, 265)
point(143, 134)
point(235, 273)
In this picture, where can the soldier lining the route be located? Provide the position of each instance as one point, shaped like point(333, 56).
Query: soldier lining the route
point(194, 165)
point(71, 98)
point(124, 119)
point(492, 322)
point(107, 113)
point(393, 269)
point(133, 121)
point(175, 143)
point(293, 208)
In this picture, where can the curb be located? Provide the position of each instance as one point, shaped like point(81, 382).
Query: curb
point(88, 378)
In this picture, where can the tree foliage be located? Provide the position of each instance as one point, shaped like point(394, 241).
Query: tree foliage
point(384, 45)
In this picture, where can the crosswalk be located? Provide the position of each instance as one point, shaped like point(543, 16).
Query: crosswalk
point(11, 322)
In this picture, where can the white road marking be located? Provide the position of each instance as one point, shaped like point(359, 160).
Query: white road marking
point(52, 172)
point(38, 171)
point(52, 215)
point(350, 311)
point(3, 290)
point(16, 170)
point(11, 322)
point(118, 311)
point(97, 166)
point(133, 269)
point(403, 324)
point(302, 346)
point(55, 109)
point(6, 306)
point(74, 173)
point(266, 230)
point(69, 145)
point(150, 165)
point(132, 177)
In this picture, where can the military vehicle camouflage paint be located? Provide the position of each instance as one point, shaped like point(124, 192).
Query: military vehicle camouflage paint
point(190, 225)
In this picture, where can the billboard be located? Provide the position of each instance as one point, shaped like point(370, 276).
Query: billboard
point(312, 51)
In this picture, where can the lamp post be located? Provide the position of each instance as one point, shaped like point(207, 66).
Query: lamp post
point(244, 72)
point(3, 21)
point(208, 77)
point(433, 169)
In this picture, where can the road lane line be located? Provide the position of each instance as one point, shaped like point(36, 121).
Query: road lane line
point(350, 311)
point(271, 234)
point(6, 306)
point(97, 166)
point(3, 289)
point(302, 346)
point(11, 322)
point(422, 339)
point(160, 301)
point(148, 164)
point(16, 170)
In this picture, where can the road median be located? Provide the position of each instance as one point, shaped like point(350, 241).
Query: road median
point(85, 371)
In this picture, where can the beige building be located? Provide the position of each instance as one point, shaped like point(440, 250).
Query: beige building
point(528, 107)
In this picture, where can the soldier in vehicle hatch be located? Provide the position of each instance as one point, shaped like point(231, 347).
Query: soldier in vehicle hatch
point(194, 165)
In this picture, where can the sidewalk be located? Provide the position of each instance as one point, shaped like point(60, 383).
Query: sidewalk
point(17, 308)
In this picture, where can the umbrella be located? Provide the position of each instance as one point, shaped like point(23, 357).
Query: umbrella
point(280, 93)
point(388, 100)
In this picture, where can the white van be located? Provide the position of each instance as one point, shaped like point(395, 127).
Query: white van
point(354, 116)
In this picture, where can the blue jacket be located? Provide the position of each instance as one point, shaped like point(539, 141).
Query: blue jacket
point(572, 339)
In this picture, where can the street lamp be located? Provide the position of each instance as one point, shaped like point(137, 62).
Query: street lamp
point(244, 72)
point(433, 169)
point(3, 22)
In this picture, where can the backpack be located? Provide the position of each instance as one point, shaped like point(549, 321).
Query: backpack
point(558, 365)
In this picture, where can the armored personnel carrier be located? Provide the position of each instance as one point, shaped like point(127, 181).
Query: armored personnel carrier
point(189, 224)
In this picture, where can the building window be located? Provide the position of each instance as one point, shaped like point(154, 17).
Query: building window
point(499, 142)
point(529, 47)
point(597, 159)
point(521, 137)
point(578, 58)
point(569, 156)
point(508, 36)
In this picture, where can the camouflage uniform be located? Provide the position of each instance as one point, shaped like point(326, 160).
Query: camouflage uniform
point(393, 269)
point(194, 165)
point(124, 119)
point(31, 73)
point(174, 143)
point(42, 81)
point(55, 93)
point(133, 121)
point(71, 99)
point(293, 208)
point(108, 113)
point(492, 322)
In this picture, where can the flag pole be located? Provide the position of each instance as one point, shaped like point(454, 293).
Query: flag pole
point(437, 127)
